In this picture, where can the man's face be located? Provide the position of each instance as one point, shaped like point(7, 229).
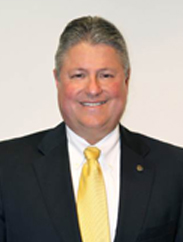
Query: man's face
point(92, 89)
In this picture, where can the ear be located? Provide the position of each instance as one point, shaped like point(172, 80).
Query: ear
point(127, 80)
point(56, 77)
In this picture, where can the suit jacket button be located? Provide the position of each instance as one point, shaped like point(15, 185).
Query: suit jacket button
point(139, 168)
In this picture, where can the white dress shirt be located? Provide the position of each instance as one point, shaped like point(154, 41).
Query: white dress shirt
point(110, 165)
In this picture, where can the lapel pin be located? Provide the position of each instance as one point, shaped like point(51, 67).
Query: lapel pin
point(139, 168)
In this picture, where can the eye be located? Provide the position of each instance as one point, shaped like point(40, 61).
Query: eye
point(106, 75)
point(78, 76)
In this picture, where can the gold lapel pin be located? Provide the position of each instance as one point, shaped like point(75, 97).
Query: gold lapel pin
point(139, 168)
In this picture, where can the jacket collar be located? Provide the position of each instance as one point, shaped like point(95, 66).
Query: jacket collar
point(57, 136)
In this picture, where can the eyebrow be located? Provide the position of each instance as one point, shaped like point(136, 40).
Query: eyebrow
point(79, 69)
point(86, 70)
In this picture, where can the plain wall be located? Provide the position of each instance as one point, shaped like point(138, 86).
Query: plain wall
point(29, 33)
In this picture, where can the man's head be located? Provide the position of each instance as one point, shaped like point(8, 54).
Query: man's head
point(92, 74)
point(93, 30)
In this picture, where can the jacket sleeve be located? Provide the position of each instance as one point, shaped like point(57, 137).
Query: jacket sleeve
point(2, 220)
point(179, 236)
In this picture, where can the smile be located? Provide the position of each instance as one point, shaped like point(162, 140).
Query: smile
point(93, 104)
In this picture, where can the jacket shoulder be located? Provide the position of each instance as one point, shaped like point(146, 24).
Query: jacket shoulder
point(28, 145)
point(138, 141)
point(18, 146)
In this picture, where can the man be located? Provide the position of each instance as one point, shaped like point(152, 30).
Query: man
point(40, 174)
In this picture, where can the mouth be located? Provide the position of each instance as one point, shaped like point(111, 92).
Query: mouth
point(93, 104)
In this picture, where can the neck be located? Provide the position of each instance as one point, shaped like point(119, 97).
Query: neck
point(92, 136)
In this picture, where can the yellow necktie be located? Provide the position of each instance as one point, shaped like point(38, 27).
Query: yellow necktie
point(92, 201)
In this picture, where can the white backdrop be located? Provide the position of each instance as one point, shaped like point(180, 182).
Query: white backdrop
point(29, 32)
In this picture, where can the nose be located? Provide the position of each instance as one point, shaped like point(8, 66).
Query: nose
point(93, 87)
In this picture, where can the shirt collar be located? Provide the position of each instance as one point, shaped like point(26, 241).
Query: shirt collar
point(106, 145)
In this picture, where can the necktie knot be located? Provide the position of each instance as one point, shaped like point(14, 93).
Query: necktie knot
point(92, 153)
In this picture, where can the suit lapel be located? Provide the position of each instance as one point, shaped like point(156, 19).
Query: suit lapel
point(136, 187)
point(53, 173)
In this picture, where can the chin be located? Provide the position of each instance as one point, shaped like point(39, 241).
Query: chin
point(93, 124)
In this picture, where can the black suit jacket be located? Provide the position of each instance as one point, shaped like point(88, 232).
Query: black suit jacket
point(37, 201)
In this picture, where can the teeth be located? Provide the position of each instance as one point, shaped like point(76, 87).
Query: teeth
point(93, 104)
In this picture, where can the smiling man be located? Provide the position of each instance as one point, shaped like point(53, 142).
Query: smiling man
point(90, 179)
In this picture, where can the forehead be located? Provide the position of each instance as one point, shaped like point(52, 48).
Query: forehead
point(85, 53)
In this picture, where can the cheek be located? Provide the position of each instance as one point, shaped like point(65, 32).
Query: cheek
point(118, 90)
point(67, 93)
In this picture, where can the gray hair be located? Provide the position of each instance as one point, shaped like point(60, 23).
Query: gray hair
point(94, 30)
